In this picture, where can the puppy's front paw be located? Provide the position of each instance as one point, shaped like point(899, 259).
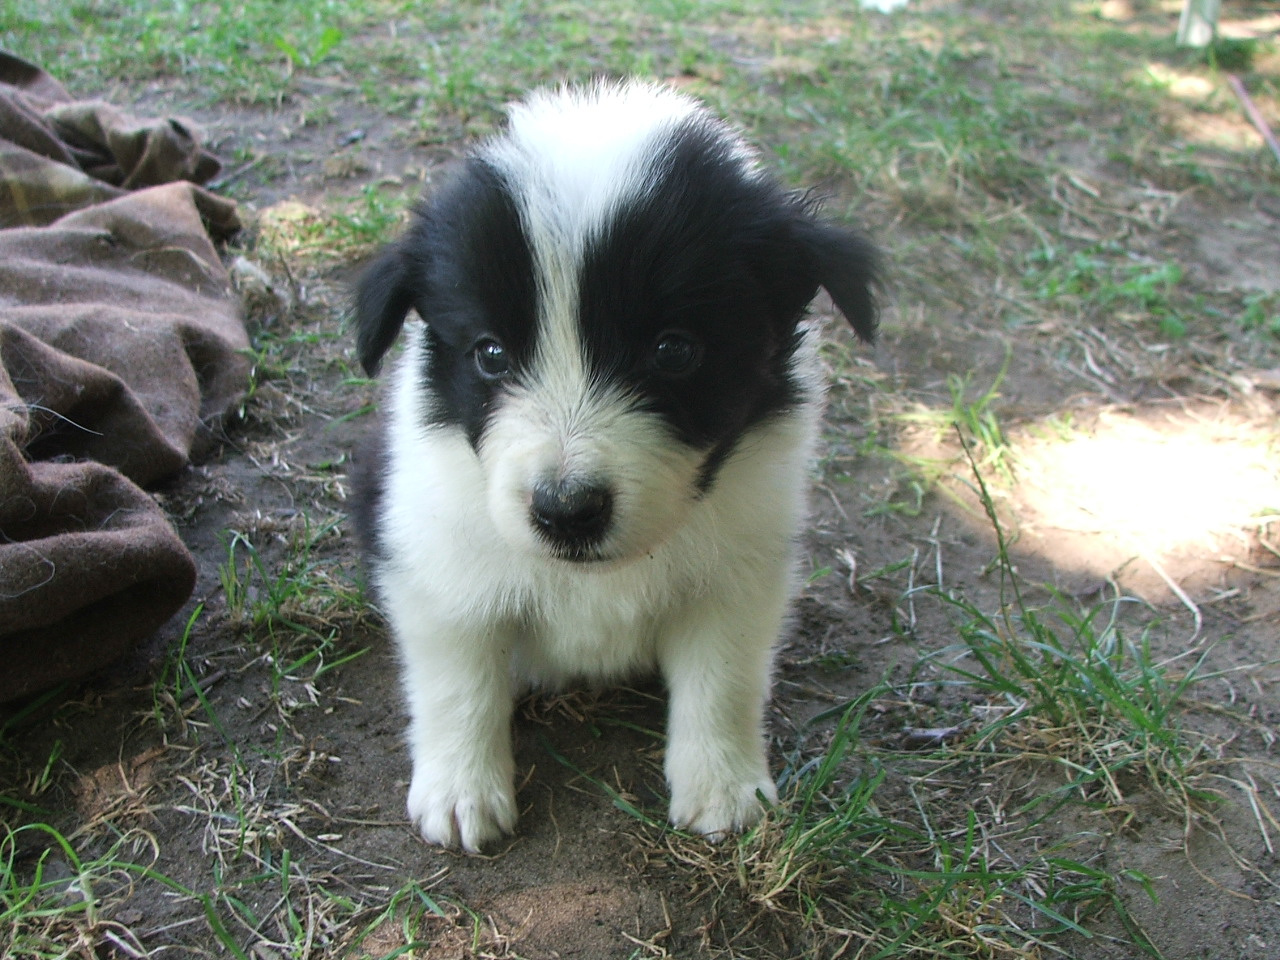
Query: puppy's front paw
point(718, 807)
point(462, 811)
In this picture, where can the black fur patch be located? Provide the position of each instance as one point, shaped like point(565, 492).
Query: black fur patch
point(465, 266)
point(725, 259)
point(478, 283)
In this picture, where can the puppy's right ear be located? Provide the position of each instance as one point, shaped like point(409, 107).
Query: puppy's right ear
point(847, 269)
point(384, 297)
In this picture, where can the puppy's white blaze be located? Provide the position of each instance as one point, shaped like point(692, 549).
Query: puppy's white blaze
point(572, 159)
point(573, 156)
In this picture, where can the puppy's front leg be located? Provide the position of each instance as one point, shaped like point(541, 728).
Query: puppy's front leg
point(458, 688)
point(717, 665)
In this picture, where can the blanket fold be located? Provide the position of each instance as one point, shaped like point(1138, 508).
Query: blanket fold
point(122, 350)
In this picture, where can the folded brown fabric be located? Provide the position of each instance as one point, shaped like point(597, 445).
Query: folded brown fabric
point(90, 564)
point(121, 351)
point(98, 151)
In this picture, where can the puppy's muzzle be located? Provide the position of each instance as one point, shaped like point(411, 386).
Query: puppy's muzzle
point(572, 515)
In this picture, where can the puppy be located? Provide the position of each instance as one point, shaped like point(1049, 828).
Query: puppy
point(595, 450)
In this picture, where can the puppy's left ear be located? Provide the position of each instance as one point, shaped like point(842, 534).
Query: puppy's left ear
point(384, 297)
point(847, 267)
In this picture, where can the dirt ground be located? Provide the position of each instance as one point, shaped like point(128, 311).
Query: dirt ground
point(311, 763)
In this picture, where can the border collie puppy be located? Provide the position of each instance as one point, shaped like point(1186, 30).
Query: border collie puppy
point(595, 451)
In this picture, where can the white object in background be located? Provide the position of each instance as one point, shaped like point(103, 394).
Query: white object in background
point(883, 6)
point(1199, 22)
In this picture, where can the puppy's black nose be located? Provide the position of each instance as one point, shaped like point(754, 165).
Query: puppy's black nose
point(572, 514)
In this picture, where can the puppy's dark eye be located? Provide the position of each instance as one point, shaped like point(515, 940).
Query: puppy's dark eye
point(676, 354)
point(492, 359)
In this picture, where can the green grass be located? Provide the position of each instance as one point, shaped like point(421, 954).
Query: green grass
point(970, 414)
point(869, 865)
point(243, 52)
point(1106, 281)
point(867, 872)
point(57, 899)
point(266, 597)
point(301, 607)
point(1068, 685)
point(307, 237)
point(1262, 312)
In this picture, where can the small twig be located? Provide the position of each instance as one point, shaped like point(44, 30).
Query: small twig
point(232, 176)
point(1240, 564)
point(937, 549)
point(1268, 547)
point(204, 683)
point(1177, 592)
point(1252, 112)
point(931, 738)
point(911, 590)
point(1255, 803)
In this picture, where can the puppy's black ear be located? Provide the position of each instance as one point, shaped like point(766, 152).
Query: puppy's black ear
point(384, 297)
point(847, 269)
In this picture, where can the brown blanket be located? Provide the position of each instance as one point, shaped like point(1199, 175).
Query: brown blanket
point(121, 349)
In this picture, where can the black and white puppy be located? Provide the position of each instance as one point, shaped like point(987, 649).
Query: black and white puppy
point(595, 453)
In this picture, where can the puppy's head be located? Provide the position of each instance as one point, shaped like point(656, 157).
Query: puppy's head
point(611, 294)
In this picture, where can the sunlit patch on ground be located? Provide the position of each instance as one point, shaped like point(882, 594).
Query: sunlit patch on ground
point(1158, 480)
point(1203, 110)
point(1191, 87)
point(1149, 497)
